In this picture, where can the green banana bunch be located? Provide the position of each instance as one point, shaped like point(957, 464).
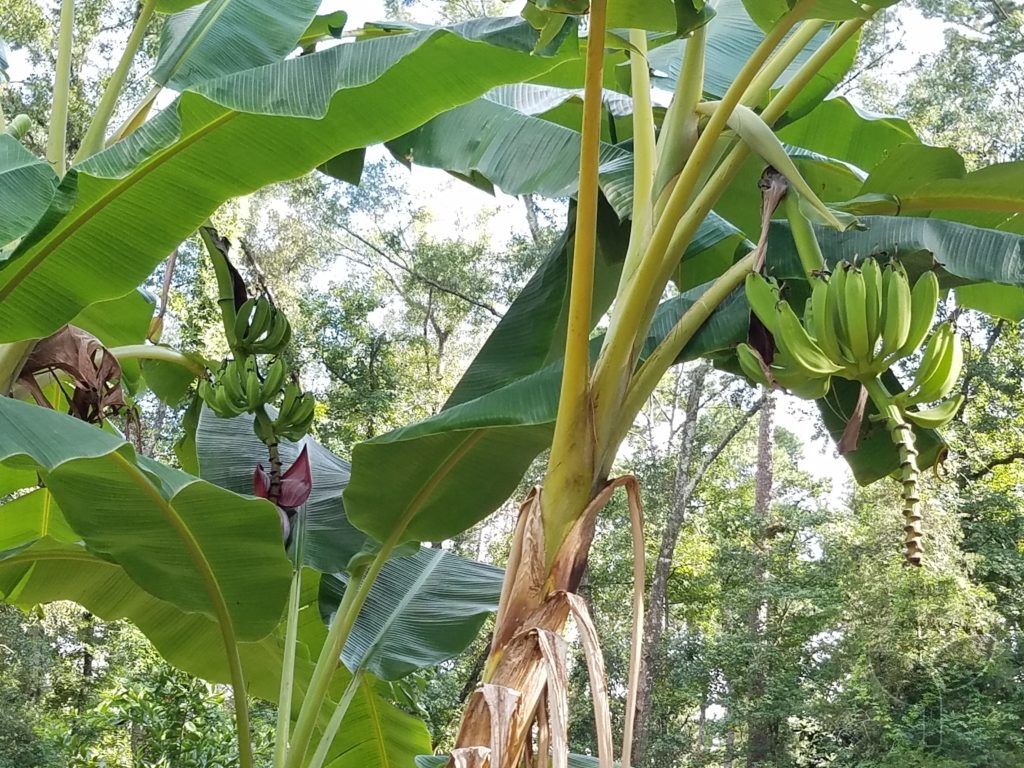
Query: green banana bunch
point(238, 388)
point(260, 328)
point(295, 415)
point(858, 322)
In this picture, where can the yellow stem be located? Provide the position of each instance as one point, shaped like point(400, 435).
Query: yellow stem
point(631, 316)
point(679, 131)
point(665, 354)
point(782, 58)
point(644, 149)
point(570, 472)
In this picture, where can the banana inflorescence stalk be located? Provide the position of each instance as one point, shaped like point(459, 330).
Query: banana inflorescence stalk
point(859, 321)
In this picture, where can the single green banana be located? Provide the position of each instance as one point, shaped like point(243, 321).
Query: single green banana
point(873, 294)
point(801, 386)
point(206, 392)
point(752, 365)
point(939, 370)
point(274, 380)
point(253, 391)
point(278, 335)
point(233, 382)
point(262, 316)
point(794, 341)
point(937, 417)
point(763, 296)
point(857, 317)
point(291, 394)
point(837, 301)
point(821, 321)
point(924, 300)
point(897, 312)
point(932, 359)
point(242, 317)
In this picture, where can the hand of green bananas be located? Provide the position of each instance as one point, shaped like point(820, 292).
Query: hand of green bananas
point(858, 323)
point(238, 388)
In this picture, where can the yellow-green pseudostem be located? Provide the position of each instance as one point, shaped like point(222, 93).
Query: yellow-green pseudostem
point(902, 435)
point(569, 480)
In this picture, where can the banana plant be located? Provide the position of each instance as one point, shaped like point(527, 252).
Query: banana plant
point(154, 544)
point(696, 217)
point(661, 196)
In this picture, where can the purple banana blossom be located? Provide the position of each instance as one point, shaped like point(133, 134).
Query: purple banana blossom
point(296, 484)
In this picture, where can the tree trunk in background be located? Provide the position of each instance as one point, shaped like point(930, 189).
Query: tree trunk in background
point(730, 749)
point(761, 726)
point(533, 219)
point(654, 622)
point(687, 479)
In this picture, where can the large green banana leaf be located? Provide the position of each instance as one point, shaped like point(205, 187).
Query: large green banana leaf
point(27, 185)
point(185, 541)
point(656, 15)
point(767, 12)
point(42, 560)
point(836, 128)
point(122, 210)
point(959, 253)
point(224, 36)
point(422, 610)
point(120, 321)
point(459, 465)
point(531, 334)
point(517, 152)
point(229, 451)
point(732, 36)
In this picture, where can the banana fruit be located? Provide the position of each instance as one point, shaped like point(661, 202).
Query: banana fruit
point(261, 328)
point(295, 415)
point(860, 320)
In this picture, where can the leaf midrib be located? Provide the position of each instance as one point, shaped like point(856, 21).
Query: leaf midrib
point(29, 264)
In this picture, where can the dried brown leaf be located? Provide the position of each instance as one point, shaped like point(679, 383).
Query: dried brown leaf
point(470, 757)
point(95, 372)
point(553, 647)
point(598, 678)
point(502, 702)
